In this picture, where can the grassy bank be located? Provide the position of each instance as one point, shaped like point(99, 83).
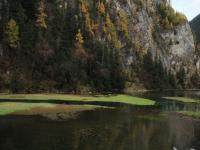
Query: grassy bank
point(182, 99)
point(100, 98)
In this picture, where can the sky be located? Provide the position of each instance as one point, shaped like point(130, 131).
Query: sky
point(191, 8)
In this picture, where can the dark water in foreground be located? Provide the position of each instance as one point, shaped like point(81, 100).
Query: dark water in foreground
point(123, 128)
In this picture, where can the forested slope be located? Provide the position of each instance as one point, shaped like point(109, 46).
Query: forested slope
point(85, 46)
point(195, 26)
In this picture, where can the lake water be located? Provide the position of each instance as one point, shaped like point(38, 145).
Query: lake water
point(124, 128)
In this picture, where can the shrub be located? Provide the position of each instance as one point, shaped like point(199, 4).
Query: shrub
point(169, 18)
point(82, 89)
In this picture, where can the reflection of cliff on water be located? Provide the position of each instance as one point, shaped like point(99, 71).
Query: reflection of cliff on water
point(178, 106)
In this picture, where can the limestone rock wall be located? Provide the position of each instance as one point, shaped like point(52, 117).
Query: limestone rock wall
point(174, 47)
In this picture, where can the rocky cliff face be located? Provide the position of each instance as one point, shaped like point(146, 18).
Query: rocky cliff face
point(180, 50)
point(175, 47)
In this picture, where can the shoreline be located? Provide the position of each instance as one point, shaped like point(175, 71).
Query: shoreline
point(98, 93)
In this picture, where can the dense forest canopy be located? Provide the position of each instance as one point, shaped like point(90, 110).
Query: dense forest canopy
point(75, 46)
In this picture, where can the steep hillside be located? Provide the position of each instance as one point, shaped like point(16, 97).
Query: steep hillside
point(102, 45)
point(195, 25)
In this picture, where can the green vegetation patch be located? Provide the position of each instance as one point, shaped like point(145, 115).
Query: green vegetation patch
point(124, 99)
point(11, 107)
point(99, 98)
point(190, 113)
point(182, 99)
point(14, 107)
point(170, 17)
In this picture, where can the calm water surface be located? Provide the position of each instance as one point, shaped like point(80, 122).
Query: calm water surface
point(123, 128)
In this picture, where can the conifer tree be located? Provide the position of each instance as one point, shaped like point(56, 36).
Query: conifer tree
point(88, 22)
point(12, 34)
point(111, 33)
point(101, 8)
point(79, 49)
point(80, 59)
point(41, 15)
point(79, 38)
point(123, 23)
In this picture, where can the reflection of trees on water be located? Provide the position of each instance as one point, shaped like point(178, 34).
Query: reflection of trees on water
point(124, 132)
point(100, 130)
point(178, 106)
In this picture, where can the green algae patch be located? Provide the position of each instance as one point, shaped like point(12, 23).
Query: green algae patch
point(182, 99)
point(98, 98)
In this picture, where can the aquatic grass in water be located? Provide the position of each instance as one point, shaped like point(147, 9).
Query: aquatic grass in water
point(123, 99)
point(13, 107)
point(99, 98)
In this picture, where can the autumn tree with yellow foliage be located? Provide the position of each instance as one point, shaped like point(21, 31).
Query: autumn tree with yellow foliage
point(12, 34)
point(41, 15)
point(79, 38)
point(123, 23)
point(111, 34)
point(80, 52)
point(88, 22)
point(101, 8)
